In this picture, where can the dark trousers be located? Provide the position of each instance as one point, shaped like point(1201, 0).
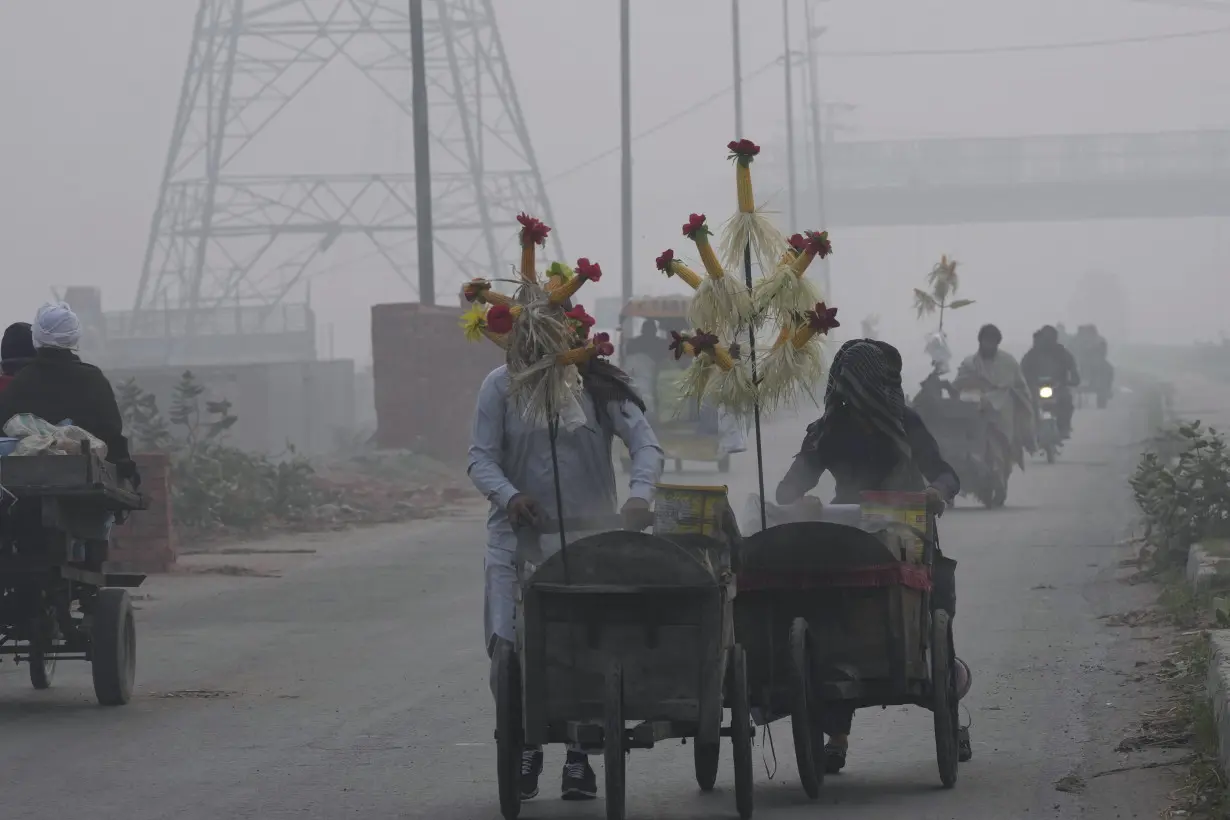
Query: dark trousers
point(838, 717)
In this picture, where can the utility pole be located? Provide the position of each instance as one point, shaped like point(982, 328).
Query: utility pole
point(818, 137)
point(789, 65)
point(734, 18)
point(422, 157)
point(625, 104)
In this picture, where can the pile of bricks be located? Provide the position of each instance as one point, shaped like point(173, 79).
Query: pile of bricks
point(426, 379)
point(146, 541)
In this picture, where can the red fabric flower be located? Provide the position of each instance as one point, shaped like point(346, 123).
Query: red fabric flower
point(665, 259)
point(499, 319)
point(678, 340)
point(582, 321)
point(475, 288)
point(798, 243)
point(533, 231)
point(695, 226)
point(817, 243)
point(823, 318)
point(743, 150)
point(602, 344)
point(589, 270)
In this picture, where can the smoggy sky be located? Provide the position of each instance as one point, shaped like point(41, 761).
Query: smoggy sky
point(89, 89)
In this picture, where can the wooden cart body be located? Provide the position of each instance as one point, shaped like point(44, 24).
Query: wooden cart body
point(867, 611)
point(659, 608)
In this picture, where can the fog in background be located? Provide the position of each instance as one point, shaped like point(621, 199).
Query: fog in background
point(88, 92)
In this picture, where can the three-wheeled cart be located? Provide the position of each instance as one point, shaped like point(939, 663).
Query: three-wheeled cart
point(624, 628)
point(57, 601)
point(831, 614)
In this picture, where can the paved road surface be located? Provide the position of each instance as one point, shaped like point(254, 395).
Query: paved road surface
point(351, 682)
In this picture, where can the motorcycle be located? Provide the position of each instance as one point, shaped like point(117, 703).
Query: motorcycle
point(1050, 440)
point(963, 425)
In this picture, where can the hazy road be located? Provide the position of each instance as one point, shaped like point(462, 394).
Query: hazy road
point(351, 682)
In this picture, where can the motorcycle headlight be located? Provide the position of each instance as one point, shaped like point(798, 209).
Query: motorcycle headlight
point(1046, 392)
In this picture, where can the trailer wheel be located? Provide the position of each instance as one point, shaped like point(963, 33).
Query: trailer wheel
point(705, 756)
point(805, 712)
point(613, 742)
point(741, 732)
point(509, 729)
point(944, 698)
point(113, 647)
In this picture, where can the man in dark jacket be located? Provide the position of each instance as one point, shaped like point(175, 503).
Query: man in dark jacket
point(1049, 359)
point(56, 385)
point(16, 351)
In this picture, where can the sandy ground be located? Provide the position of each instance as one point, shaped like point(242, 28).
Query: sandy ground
point(348, 679)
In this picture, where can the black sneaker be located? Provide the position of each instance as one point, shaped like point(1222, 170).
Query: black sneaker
point(531, 767)
point(580, 782)
point(965, 749)
point(834, 758)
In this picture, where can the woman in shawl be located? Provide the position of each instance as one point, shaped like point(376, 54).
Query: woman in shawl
point(869, 440)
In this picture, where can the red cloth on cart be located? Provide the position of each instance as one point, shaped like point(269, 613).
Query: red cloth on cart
point(895, 573)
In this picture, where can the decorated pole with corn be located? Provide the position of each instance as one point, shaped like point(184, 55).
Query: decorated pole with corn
point(533, 233)
point(749, 226)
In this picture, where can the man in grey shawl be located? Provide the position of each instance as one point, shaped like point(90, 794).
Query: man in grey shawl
point(999, 376)
point(511, 464)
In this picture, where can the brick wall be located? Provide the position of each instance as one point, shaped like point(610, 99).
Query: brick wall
point(426, 378)
point(146, 541)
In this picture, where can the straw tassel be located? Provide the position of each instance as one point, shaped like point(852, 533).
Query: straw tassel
point(788, 292)
point(749, 227)
point(722, 302)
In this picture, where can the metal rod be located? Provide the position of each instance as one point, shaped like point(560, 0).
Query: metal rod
point(818, 140)
point(625, 171)
point(553, 434)
point(751, 345)
point(789, 65)
point(422, 157)
point(738, 61)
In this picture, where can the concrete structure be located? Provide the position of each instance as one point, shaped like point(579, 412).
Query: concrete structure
point(426, 379)
point(1047, 178)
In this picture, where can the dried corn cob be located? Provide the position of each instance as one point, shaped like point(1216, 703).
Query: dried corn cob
point(668, 264)
point(585, 271)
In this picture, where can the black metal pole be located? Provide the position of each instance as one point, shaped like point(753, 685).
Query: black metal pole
point(738, 67)
point(553, 435)
point(625, 172)
point(751, 346)
point(422, 157)
point(789, 64)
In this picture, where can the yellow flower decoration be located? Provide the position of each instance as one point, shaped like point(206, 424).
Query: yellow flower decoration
point(473, 322)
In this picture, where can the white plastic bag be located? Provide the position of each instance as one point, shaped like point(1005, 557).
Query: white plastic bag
point(28, 424)
point(40, 437)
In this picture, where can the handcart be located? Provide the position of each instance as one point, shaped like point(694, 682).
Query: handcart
point(622, 628)
point(833, 614)
point(57, 600)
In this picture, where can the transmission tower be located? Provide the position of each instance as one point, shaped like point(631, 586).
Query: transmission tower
point(224, 234)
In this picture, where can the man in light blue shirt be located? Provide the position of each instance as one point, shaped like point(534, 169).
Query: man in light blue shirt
point(511, 464)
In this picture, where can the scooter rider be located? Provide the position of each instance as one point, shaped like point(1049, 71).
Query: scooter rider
point(1049, 359)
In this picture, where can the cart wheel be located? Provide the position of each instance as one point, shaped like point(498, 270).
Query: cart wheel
point(944, 697)
point(741, 731)
point(613, 742)
point(805, 713)
point(705, 756)
point(113, 647)
point(509, 730)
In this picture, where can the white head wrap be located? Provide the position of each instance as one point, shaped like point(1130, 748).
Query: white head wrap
point(56, 326)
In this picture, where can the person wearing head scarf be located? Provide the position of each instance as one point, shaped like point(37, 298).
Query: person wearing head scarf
point(57, 386)
point(1049, 359)
point(511, 464)
point(16, 351)
point(870, 440)
point(998, 375)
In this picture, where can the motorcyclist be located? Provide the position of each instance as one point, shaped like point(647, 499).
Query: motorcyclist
point(998, 375)
point(1049, 359)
